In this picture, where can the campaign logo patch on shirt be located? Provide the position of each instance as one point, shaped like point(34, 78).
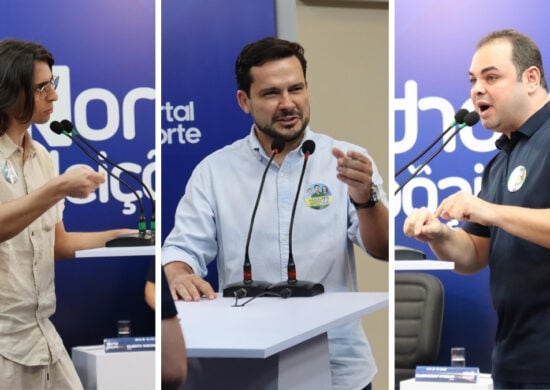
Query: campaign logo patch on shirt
point(318, 196)
point(517, 178)
point(9, 172)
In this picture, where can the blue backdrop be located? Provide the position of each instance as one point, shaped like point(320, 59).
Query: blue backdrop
point(200, 43)
point(104, 55)
point(434, 43)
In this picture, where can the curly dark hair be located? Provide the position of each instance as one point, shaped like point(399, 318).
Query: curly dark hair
point(17, 60)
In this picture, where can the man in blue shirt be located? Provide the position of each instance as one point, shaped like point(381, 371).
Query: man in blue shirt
point(212, 221)
point(507, 226)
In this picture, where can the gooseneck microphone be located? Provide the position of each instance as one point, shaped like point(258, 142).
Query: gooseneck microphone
point(69, 128)
point(469, 120)
point(142, 238)
point(294, 287)
point(250, 287)
point(459, 119)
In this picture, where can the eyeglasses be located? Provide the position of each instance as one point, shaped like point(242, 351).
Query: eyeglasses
point(46, 88)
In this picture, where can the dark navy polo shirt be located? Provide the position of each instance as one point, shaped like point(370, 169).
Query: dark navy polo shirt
point(519, 175)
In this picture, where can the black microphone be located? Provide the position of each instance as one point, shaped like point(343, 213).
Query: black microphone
point(469, 120)
point(459, 119)
point(250, 287)
point(69, 128)
point(294, 287)
point(142, 238)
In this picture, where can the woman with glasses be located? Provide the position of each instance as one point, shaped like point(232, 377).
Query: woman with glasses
point(32, 233)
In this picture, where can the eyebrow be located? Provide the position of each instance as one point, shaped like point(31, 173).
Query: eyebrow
point(40, 85)
point(485, 70)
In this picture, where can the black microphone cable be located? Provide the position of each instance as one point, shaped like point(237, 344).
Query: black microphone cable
point(239, 294)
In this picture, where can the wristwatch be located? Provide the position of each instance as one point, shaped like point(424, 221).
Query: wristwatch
point(374, 198)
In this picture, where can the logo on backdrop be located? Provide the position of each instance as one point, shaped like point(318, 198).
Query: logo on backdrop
point(176, 117)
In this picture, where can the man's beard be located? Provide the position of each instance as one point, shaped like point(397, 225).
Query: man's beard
point(271, 132)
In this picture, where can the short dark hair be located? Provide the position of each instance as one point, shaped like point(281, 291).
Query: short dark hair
point(525, 52)
point(259, 52)
point(17, 60)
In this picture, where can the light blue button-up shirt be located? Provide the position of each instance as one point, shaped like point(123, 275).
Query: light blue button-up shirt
point(213, 217)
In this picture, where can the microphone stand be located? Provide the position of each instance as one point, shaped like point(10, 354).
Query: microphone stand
point(459, 119)
point(294, 287)
point(469, 120)
point(142, 237)
point(250, 287)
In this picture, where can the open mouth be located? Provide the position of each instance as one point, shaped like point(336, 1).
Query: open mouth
point(483, 107)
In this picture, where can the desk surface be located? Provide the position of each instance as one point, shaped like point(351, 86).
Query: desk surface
point(423, 265)
point(148, 250)
point(267, 325)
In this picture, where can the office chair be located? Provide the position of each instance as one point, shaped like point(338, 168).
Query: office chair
point(419, 302)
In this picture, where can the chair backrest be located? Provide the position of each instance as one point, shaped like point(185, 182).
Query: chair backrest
point(419, 303)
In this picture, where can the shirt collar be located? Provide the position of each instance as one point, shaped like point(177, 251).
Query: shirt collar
point(529, 128)
point(8, 147)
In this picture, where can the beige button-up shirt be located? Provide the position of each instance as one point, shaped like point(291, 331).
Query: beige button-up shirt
point(27, 293)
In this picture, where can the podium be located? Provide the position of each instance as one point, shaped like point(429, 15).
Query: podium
point(271, 343)
point(99, 370)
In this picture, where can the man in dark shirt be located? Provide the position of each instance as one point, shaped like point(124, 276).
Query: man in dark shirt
point(507, 226)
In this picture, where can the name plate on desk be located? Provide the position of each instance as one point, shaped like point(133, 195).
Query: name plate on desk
point(423, 265)
point(129, 344)
point(446, 374)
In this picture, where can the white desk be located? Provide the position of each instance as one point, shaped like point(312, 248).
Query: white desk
point(148, 250)
point(99, 370)
point(423, 265)
point(484, 382)
point(271, 343)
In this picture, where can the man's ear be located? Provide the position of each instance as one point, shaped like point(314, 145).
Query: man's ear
point(243, 101)
point(532, 76)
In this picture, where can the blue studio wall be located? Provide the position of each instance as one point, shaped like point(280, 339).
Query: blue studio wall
point(200, 43)
point(104, 55)
point(434, 43)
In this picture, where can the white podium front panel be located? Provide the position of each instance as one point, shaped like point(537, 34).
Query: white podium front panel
point(99, 370)
point(269, 344)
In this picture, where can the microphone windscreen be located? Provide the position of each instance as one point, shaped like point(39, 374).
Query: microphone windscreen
point(67, 125)
point(472, 118)
point(278, 145)
point(308, 147)
point(460, 115)
point(56, 127)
